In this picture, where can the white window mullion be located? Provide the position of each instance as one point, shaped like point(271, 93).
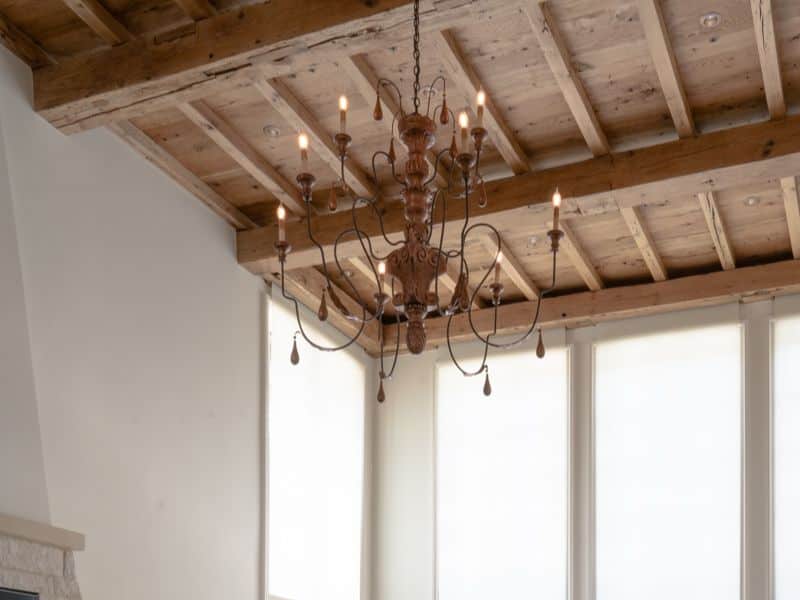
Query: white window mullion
point(757, 454)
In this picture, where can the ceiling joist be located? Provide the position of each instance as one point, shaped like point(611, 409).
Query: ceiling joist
point(240, 150)
point(154, 153)
point(468, 82)
point(197, 9)
point(588, 308)
point(511, 266)
point(579, 259)
point(361, 264)
point(719, 235)
point(676, 170)
point(560, 62)
point(450, 280)
point(19, 44)
point(767, 43)
point(666, 66)
point(644, 241)
point(791, 201)
point(99, 20)
point(282, 99)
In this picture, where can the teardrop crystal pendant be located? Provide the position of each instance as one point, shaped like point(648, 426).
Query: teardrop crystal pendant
point(381, 393)
point(444, 116)
point(333, 200)
point(483, 199)
point(322, 313)
point(392, 155)
point(377, 114)
point(487, 386)
point(453, 147)
point(540, 351)
point(295, 357)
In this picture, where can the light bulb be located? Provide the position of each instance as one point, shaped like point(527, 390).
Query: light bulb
point(382, 268)
point(557, 199)
point(481, 98)
point(463, 120)
point(302, 141)
point(281, 213)
point(343, 103)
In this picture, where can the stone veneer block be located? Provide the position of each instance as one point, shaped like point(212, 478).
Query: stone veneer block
point(38, 568)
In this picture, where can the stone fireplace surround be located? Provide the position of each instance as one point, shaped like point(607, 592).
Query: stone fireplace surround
point(39, 558)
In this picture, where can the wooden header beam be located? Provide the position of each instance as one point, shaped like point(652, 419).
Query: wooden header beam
point(589, 308)
point(216, 53)
point(676, 170)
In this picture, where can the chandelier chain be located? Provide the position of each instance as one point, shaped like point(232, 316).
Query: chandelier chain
point(416, 57)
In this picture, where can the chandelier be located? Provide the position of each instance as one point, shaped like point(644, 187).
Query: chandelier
point(417, 261)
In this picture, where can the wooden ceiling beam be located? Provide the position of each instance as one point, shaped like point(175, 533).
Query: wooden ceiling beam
point(154, 153)
point(666, 66)
point(791, 202)
point(282, 99)
point(23, 46)
point(560, 61)
point(511, 266)
point(467, 81)
point(363, 266)
point(240, 150)
point(366, 80)
point(306, 286)
point(579, 258)
point(197, 9)
point(450, 280)
point(99, 20)
point(767, 42)
point(220, 52)
point(719, 235)
point(644, 241)
point(677, 170)
point(589, 308)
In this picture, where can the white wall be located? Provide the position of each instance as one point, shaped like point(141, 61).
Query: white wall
point(146, 342)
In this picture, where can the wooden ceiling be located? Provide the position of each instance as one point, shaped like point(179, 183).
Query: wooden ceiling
point(675, 143)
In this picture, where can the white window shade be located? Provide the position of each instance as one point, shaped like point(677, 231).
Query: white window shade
point(668, 456)
point(787, 458)
point(316, 447)
point(502, 480)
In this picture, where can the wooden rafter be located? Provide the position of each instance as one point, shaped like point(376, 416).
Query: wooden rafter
point(676, 170)
point(767, 43)
point(579, 258)
point(240, 150)
point(23, 46)
point(666, 66)
point(143, 144)
point(217, 53)
point(511, 266)
point(197, 9)
point(99, 20)
point(719, 235)
point(468, 82)
point(360, 264)
point(306, 286)
point(282, 99)
point(560, 62)
point(587, 308)
point(450, 280)
point(365, 79)
point(644, 241)
point(791, 201)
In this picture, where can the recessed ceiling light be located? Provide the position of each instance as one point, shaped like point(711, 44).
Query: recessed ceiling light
point(752, 201)
point(532, 241)
point(428, 90)
point(348, 273)
point(710, 20)
point(272, 131)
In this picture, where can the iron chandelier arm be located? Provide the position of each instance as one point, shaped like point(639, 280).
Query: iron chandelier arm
point(486, 345)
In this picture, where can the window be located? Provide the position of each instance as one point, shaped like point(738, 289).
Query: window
point(502, 480)
point(668, 447)
point(787, 465)
point(316, 446)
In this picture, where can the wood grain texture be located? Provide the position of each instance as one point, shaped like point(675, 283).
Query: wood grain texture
point(588, 308)
point(767, 42)
point(560, 61)
point(197, 9)
point(282, 99)
point(674, 171)
point(468, 82)
point(719, 235)
point(511, 266)
point(644, 240)
point(19, 44)
point(666, 66)
point(579, 258)
point(99, 20)
point(791, 202)
point(145, 146)
point(227, 138)
point(450, 279)
point(360, 264)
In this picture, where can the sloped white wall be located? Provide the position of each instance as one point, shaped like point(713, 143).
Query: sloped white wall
point(147, 342)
